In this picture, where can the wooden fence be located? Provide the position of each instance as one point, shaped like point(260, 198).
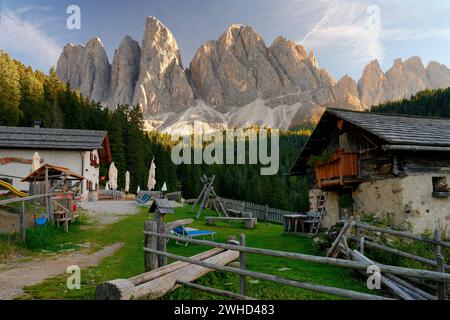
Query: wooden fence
point(32, 199)
point(259, 211)
point(439, 277)
point(161, 278)
point(365, 236)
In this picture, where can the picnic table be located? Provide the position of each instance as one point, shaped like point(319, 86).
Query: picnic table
point(293, 222)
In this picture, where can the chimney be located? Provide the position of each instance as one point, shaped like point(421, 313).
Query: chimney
point(37, 123)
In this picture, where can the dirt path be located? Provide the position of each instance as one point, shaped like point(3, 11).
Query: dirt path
point(20, 275)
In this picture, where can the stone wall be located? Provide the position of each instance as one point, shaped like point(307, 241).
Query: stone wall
point(404, 201)
point(421, 209)
point(383, 198)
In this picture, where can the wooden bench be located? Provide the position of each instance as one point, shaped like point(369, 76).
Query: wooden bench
point(249, 223)
point(240, 214)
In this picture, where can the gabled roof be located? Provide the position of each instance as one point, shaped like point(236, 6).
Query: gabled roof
point(45, 138)
point(163, 205)
point(54, 172)
point(400, 129)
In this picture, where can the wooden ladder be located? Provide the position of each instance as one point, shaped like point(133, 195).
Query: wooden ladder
point(321, 211)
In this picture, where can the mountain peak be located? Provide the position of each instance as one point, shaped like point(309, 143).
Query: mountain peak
point(235, 26)
point(96, 41)
point(237, 75)
point(162, 85)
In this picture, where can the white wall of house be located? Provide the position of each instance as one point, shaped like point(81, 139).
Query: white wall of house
point(332, 207)
point(77, 161)
point(406, 200)
point(383, 198)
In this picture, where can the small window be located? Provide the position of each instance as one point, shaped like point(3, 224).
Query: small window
point(440, 184)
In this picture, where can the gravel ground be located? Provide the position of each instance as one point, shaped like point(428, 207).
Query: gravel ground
point(107, 212)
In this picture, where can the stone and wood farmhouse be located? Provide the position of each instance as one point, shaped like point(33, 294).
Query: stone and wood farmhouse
point(393, 166)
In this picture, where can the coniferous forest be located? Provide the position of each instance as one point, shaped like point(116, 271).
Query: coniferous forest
point(27, 95)
point(428, 103)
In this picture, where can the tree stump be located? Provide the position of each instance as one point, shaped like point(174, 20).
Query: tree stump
point(115, 290)
point(250, 223)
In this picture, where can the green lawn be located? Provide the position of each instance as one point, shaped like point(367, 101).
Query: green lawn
point(128, 261)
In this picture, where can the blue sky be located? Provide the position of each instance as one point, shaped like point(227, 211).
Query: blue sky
point(345, 35)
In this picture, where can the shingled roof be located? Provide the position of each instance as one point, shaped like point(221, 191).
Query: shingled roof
point(400, 129)
point(45, 138)
point(391, 131)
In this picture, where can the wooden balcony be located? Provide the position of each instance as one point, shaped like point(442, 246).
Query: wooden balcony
point(340, 170)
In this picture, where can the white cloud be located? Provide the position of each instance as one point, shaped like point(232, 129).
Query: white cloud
point(25, 38)
point(26, 9)
point(345, 30)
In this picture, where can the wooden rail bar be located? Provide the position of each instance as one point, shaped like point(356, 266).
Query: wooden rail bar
point(440, 267)
point(242, 261)
point(402, 234)
point(152, 275)
point(224, 293)
point(400, 253)
point(262, 276)
point(22, 222)
point(15, 200)
point(417, 273)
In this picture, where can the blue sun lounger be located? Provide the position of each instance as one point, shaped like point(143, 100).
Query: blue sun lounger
point(192, 233)
point(144, 199)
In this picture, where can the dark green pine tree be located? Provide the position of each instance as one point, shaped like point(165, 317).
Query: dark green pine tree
point(135, 150)
point(117, 132)
point(10, 113)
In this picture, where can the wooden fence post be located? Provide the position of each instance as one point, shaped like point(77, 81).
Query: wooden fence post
point(161, 242)
point(440, 266)
point(150, 259)
point(266, 214)
point(22, 222)
point(51, 217)
point(242, 279)
point(361, 245)
point(358, 234)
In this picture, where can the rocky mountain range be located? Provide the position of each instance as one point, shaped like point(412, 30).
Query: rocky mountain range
point(235, 81)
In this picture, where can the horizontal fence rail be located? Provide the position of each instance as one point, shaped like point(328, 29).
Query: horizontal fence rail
point(372, 244)
point(224, 293)
point(402, 234)
point(415, 273)
point(259, 211)
point(24, 199)
point(276, 279)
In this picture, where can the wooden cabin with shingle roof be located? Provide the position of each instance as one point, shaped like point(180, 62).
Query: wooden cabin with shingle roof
point(394, 166)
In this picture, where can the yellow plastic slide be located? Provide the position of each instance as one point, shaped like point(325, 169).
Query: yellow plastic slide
point(9, 187)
